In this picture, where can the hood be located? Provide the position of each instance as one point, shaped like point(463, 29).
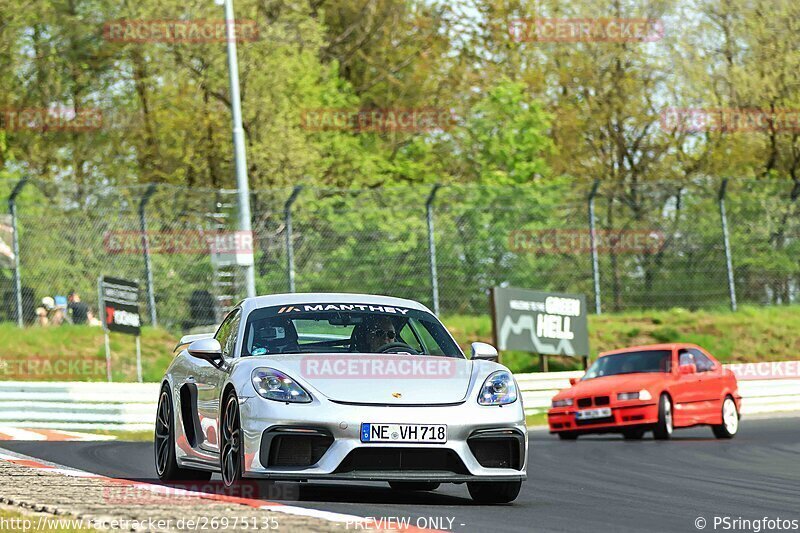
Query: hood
point(608, 385)
point(385, 379)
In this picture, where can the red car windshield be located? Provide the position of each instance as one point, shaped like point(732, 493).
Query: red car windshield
point(647, 361)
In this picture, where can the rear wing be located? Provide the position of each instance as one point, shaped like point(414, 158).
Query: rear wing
point(188, 339)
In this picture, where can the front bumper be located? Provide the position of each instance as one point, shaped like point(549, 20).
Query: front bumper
point(623, 416)
point(261, 419)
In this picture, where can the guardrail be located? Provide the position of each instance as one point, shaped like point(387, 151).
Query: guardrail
point(78, 405)
point(765, 388)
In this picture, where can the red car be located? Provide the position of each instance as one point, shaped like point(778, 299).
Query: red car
point(658, 387)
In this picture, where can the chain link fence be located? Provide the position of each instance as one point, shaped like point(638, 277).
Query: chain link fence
point(656, 244)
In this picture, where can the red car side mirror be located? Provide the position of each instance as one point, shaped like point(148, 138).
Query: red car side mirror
point(573, 381)
point(688, 369)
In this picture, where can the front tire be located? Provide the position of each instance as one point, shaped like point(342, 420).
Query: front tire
point(414, 485)
point(230, 457)
point(494, 491)
point(164, 445)
point(568, 435)
point(665, 425)
point(730, 420)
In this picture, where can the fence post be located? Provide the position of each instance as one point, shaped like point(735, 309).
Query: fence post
point(726, 241)
point(12, 208)
point(148, 268)
point(287, 213)
point(432, 249)
point(593, 240)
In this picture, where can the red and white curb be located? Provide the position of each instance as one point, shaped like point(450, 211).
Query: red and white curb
point(352, 521)
point(15, 433)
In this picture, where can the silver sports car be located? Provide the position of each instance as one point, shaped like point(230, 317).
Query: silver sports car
point(341, 386)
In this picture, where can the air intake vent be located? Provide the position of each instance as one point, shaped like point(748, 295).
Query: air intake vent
point(402, 460)
point(293, 447)
point(498, 448)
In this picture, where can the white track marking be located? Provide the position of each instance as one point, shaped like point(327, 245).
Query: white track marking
point(12, 433)
point(15, 433)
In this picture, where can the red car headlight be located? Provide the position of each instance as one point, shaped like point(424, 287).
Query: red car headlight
point(566, 402)
point(643, 394)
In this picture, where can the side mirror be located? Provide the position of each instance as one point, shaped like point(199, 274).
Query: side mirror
point(573, 381)
point(206, 349)
point(481, 350)
point(687, 369)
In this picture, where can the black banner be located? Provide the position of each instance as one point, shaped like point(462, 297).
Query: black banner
point(120, 300)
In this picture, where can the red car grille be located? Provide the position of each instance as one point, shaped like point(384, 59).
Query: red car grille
point(598, 401)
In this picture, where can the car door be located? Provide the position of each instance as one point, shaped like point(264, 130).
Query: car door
point(687, 392)
point(210, 379)
point(710, 387)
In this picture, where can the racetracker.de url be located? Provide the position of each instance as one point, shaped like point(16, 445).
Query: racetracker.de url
point(200, 523)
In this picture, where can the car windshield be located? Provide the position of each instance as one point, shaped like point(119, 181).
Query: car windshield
point(345, 328)
point(630, 363)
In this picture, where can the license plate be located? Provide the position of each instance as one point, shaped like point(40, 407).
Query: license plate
point(591, 414)
point(436, 433)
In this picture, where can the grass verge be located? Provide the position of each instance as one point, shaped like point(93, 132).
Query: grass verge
point(139, 436)
point(76, 353)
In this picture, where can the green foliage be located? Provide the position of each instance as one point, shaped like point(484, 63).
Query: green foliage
point(536, 122)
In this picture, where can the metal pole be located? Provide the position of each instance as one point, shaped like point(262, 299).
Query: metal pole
point(728, 261)
point(287, 211)
point(138, 358)
point(101, 308)
point(12, 208)
point(432, 249)
point(148, 268)
point(238, 142)
point(593, 239)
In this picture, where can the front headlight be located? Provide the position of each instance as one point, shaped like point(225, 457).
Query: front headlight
point(643, 394)
point(498, 389)
point(566, 402)
point(275, 385)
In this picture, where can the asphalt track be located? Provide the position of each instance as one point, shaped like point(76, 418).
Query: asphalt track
point(595, 484)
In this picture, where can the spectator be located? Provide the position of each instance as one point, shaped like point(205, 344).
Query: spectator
point(92, 320)
point(55, 314)
point(41, 317)
point(78, 311)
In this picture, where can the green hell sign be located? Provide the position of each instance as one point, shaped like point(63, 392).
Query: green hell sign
point(546, 323)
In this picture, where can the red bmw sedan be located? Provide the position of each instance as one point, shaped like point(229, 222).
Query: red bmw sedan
point(658, 387)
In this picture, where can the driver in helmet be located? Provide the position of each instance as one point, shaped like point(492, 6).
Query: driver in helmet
point(380, 332)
